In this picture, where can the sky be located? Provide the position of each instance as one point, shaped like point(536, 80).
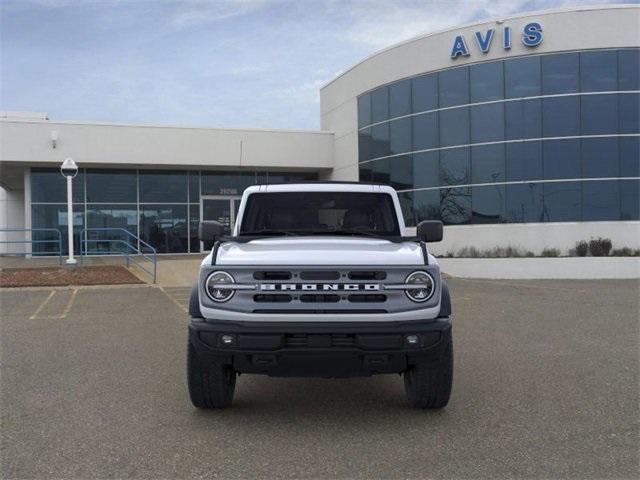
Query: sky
point(218, 63)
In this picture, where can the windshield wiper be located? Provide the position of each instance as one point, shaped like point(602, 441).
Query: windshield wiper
point(269, 231)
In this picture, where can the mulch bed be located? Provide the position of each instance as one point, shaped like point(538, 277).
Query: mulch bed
point(63, 276)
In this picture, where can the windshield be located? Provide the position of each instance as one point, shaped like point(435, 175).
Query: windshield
point(318, 213)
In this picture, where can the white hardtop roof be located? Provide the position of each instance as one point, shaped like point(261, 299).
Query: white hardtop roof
point(320, 187)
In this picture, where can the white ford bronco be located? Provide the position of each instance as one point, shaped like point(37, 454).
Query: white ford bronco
point(320, 280)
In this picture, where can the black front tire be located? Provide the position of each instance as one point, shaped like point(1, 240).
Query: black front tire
point(428, 385)
point(211, 384)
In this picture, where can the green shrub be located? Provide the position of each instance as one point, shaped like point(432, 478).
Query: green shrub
point(582, 247)
point(625, 252)
point(600, 247)
point(550, 252)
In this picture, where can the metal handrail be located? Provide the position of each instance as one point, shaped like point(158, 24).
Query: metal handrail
point(129, 252)
point(31, 241)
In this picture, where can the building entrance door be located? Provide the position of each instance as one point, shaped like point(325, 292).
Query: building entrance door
point(221, 209)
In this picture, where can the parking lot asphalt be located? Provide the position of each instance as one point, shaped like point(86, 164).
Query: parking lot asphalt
point(546, 385)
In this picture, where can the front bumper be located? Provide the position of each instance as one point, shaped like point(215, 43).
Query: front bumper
point(320, 349)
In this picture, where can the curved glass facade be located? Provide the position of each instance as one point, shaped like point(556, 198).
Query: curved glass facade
point(544, 138)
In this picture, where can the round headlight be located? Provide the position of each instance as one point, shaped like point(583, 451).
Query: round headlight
point(219, 294)
point(427, 284)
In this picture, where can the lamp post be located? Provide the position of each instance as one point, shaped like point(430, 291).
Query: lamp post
point(69, 169)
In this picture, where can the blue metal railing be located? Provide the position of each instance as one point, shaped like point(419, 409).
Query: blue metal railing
point(131, 247)
point(57, 241)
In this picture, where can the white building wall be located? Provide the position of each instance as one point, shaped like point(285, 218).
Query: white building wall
point(11, 216)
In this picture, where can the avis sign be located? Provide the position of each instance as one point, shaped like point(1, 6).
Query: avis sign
point(531, 37)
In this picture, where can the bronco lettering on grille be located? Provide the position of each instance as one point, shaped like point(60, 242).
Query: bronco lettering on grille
point(310, 287)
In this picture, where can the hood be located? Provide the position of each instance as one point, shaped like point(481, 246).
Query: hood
point(320, 251)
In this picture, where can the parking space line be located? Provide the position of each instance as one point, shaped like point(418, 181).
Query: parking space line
point(69, 303)
point(182, 307)
point(42, 305)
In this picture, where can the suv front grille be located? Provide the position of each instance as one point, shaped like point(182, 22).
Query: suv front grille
point(302, 340)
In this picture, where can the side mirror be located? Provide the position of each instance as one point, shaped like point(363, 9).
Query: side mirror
point(429, 230)
point(209, 231)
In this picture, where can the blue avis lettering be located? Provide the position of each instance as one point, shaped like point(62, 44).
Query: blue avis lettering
point(531, 37)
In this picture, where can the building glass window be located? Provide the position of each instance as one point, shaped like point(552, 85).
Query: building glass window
point(425, 93)
point(114, 218)
point(629, 156)
point(629, 108)
point(380, 104)
point(380, 141)
point(455, 205)
point(599, 71)
point(226, 183)
point(454, 127)
point(561, 159)
point(560, 73)
point(629, 69)
point(425, 131)
point(194, 221)
point(487, 123)
point(194, 186)
point(561, 116)
point(400, 99)
point(455, 167)
point(598, 157)
point(364, 144)
point(629, 199)
point(600, 200)
point(426, 169)
point(55, 216)
point(488, 204)
point(522, 77)
point(426, 205)
point(401, 172)
point(380, 171)
point(454, 87)
point(562, 201)
point(523, 161)
point(400, 136)
point(487, 81)
point(364, 110)
point(165, 227)
point(599, 114)
point(112, 186)
point(163, 186)
point(487, 164)
point(524, 203)
point(523, 119)
point(48, 185)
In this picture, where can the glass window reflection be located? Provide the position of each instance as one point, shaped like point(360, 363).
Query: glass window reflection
point(454, 127)
point(163, 186)
point(425, 131)
point(599, 114)
point(599, 157)
point(364, 110)
point(114, 219)
point(401, 172)
point(380, 104)
point(629, 112)
point(54, 216)
point(380, 141)
point(426, 204)
point(560, 73)
point(600, 200)
point(562, 201)
point(48, 185)
point(561, 116)
point(165, 227)
point(487, 164)
point(455, 205)
point(522, 77)
point(629, 156)
point(629, 69)
point(426, 169)
point(599, 71)
point(523, 161)
point(524, 203)
point(400, 136)
point(112, 186)
point(454, 87)
point(425, 92)
point(455, 167)
point(523, 119)
point(488, 204)
point(487, 82)
point(487, 123)
point(629, 199)
point(561, 159)
point(400, 98)
point(364, 144)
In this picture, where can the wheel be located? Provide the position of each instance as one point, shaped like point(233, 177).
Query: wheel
point(211, 385)
point(428, 385)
